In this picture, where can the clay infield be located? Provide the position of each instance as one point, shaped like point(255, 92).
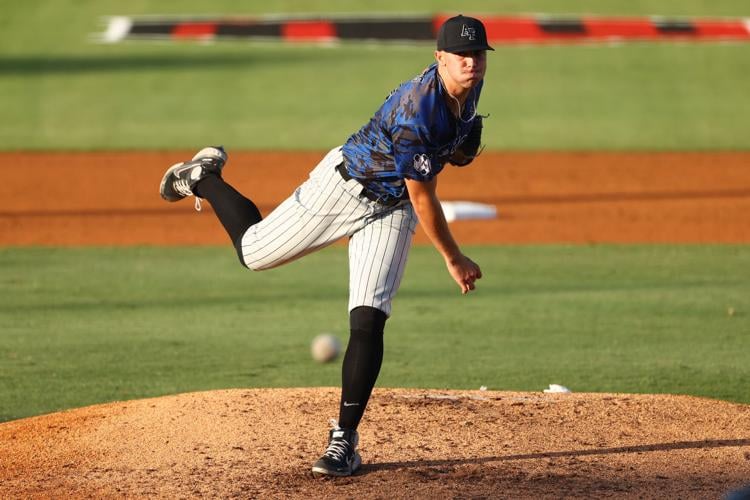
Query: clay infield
point(112, 198)
point(259, 443)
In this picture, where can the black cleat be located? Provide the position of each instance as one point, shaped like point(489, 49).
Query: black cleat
point(341, 457)
point(180, 178)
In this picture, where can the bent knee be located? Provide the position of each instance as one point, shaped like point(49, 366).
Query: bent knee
point(254, 265)
point(368, 319)
point(251, 266)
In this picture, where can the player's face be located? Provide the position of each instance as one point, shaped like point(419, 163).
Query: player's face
point(466, 69)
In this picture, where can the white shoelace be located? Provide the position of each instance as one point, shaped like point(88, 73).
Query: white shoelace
point(336, 449)
point(182, 187)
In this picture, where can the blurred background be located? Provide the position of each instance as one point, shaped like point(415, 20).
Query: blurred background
point(63, 91)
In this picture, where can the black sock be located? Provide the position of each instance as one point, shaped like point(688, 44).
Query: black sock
point(235, 212)
point(361, 366)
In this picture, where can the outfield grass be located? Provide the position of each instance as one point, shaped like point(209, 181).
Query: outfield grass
point(83, 326)
point(63, 92)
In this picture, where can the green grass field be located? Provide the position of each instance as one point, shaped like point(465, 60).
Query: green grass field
point(61, 91)
point(83, 326)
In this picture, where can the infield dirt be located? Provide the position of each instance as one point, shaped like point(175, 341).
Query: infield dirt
point(112, 198)
point(415, 443)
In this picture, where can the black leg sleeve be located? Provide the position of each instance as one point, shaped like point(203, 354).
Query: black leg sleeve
point(361, 365)
point(235, 212)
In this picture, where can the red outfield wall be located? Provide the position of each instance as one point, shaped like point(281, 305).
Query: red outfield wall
point(500, 29)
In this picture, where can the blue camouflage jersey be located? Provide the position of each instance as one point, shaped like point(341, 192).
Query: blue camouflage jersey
point(411, 136)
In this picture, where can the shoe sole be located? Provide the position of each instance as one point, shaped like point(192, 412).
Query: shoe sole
point(319, 472)
point(211, 152)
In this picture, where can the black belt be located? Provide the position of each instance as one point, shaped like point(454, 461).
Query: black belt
point(341, 169)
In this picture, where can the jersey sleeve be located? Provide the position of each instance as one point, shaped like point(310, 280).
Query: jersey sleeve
point(412, 153)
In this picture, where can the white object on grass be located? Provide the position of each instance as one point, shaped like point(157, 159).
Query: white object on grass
point(325, 347)
point(118, 28)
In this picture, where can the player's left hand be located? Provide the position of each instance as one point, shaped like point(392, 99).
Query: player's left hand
point(464, 272)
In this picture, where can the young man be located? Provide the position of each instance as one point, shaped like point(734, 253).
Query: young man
point(372, 190)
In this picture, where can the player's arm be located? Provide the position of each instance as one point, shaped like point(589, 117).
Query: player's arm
point(423, 196)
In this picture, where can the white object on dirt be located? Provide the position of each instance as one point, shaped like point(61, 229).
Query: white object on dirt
point(463, 210)
point(556, 388)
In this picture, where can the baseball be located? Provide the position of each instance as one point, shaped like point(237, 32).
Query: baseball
point(325, 348)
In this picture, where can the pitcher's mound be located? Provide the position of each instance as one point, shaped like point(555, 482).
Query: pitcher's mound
point(414, 443)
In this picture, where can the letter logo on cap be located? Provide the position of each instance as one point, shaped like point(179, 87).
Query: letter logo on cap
point(470, 33)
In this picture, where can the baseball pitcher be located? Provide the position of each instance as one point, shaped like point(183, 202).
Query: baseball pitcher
point(372, 190)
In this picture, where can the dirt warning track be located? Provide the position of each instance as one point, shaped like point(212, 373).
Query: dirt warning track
point(112, 198)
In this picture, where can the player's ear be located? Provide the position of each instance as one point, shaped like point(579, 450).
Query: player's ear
point(439, 57)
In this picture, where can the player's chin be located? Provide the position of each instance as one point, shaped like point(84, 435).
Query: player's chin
point(472, 79)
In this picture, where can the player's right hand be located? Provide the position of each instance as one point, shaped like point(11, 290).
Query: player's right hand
point(464, 272)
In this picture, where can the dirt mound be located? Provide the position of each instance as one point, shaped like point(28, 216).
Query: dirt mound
point(414, 443)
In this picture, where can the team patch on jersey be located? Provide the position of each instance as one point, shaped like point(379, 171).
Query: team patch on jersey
point(422, 164)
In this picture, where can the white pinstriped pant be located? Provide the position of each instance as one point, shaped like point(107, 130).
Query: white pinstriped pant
point(324, 209)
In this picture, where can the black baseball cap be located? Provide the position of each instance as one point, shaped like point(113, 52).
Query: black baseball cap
point(462, 34)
